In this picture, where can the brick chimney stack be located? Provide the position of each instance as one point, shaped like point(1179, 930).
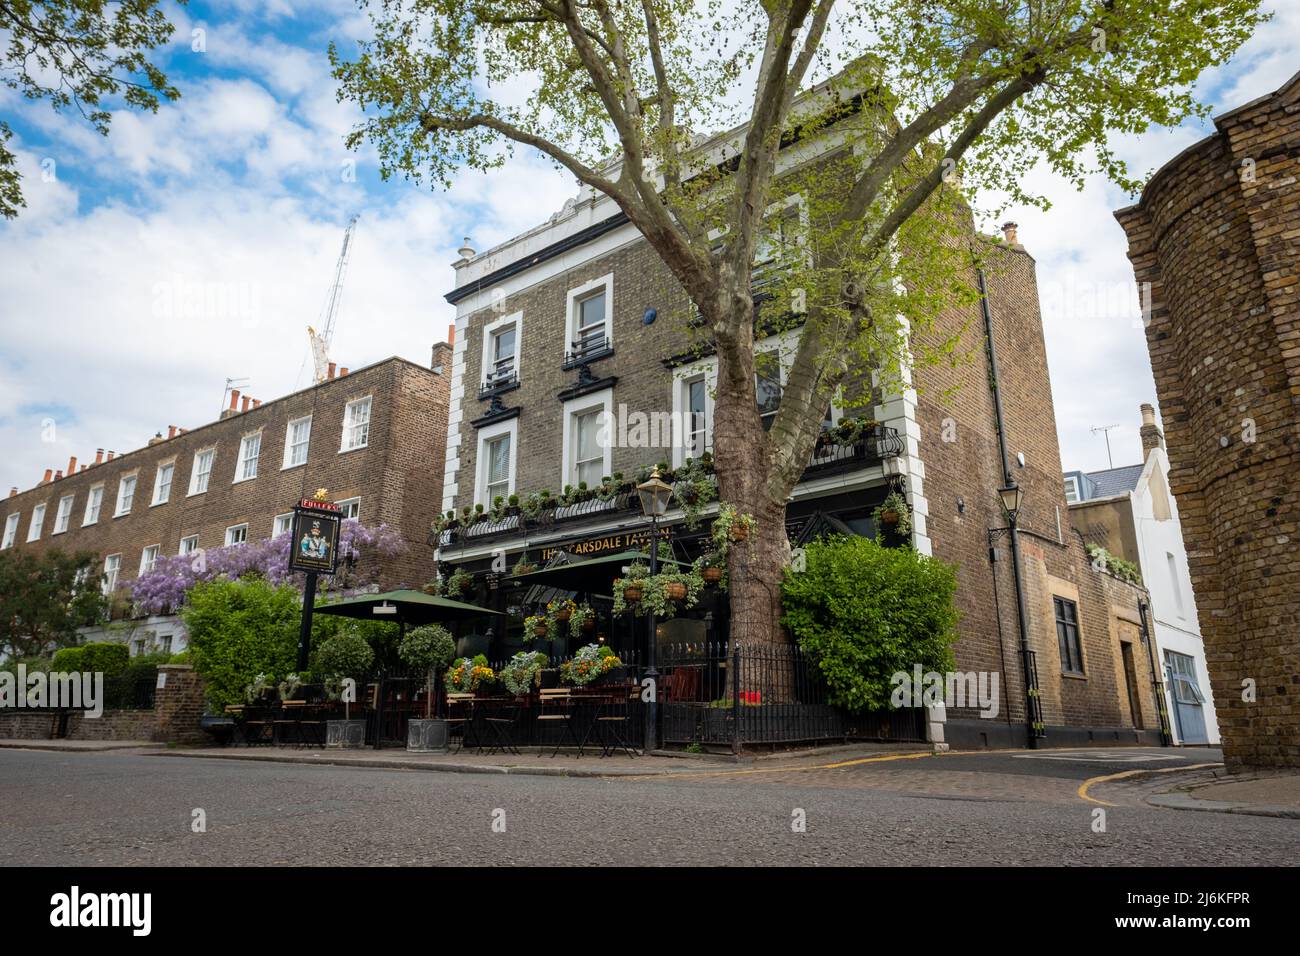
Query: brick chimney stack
point(1009, 234)
point(1152, 437)
point(441, 359)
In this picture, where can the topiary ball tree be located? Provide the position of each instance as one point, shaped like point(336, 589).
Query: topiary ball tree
point(428, 648)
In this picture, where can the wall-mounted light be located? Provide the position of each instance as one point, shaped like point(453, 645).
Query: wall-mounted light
point(649, 317)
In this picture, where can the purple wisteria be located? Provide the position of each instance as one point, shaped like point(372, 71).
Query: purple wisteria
point(162, 589)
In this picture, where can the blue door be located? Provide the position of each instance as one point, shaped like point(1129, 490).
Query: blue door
point(1189, 702)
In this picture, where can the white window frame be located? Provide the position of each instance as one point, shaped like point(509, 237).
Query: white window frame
point(349, 504)
point(1072, 484)
point(486, 435)
point(94, 503)
point(489, 339)
point(194, 471)
point(779, 210)
point(63, 516)
point(12, 522)
point(786, 343)
point(236, 527)
point(242, 461)
point(181, 549)
point(118, 510)
point(112, 573)
point(147, 561)
point(289, 443)
point(603, 400)
point(160, 495)
point(584, 291)
point(368, 400)
point(286, 519)
point(37, 523)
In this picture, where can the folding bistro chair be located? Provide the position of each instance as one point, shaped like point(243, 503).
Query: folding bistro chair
point(287, 726)
point(501, 718)
point(614, 722)
point(460, 715)
point(556, 706)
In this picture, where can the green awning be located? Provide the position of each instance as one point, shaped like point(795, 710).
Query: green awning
point(408, 607)
point(593, 574)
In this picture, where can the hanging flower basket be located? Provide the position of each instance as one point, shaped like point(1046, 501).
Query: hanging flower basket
point(540, 629)
point(589, 622)
point(739, 533)
point(711, 575)
point(889, 517)
point(632, 593)
point(675, 591)
point(563, 614)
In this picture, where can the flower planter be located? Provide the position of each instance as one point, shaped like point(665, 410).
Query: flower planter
point(739, 534)
point(563, 614)
point(889, 517)
point(589, 623)
point(632, 593)
point(615, 675)
point(711, 575)
point(427, 736)
point(540, 630)
point(345, 734)
point(675, 591)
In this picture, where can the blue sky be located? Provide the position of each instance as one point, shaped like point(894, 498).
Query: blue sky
point(197, 244)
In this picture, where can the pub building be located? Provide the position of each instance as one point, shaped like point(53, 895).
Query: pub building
point(569, 372)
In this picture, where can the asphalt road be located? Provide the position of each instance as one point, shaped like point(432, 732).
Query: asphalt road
point(984, 809)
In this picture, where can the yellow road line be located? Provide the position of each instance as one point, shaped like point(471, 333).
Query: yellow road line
point(1083, 787)
point(824, 766)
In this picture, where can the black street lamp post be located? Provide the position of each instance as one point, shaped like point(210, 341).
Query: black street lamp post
point(1012, 497)
point(654, 493)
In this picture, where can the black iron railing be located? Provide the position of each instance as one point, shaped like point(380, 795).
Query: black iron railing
point(497, 383)
point(586, 349)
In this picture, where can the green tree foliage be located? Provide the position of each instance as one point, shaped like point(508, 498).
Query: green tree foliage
point(427, 647)
point(864, 612)
point(697, 120)
point(239, 629)
point(76, 54)
point(45, 597)
point(344, 654)
point(105, 657)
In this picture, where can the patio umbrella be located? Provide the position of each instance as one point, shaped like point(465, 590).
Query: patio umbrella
point(406, 606)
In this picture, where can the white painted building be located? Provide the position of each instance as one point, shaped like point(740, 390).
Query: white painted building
point(1130, 512)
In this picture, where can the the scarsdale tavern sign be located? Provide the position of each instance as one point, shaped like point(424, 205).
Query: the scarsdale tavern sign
point(614, 542)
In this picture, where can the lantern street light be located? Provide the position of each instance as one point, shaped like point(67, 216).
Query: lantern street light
point(654, 493)
point(1011, 497)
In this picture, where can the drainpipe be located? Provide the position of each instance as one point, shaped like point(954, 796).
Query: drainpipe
point(1033, 726)
point(1166, 735)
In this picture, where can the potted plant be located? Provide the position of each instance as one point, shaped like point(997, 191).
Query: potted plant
point(470, 675)
point(560, 611)
point(342, 657)
point(523, 672)
point(893, 514)
point(537, 626)
point(512, 505)
point(582, 621)
point(427, 649)
point(523, 567)
point(459, 583)
point(591, 662)
point(629, 590)
point(730, 525)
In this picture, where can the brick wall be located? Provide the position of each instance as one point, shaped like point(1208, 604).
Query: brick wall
point(398, 476)
point(1217, 237)
point(178, 705)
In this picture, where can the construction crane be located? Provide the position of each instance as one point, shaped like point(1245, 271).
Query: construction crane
point(320, 341)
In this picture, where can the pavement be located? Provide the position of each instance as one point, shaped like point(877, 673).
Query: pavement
point(848, 807)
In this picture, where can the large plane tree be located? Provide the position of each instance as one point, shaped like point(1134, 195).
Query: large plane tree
point(926, 104)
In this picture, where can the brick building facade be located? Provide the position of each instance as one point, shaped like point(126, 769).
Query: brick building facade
point(579, 316)
point(374, 438)
point(1214, 243)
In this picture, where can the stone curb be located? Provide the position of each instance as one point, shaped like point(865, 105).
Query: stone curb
point(397, 763)
point(75, 746)
point(1183, 801)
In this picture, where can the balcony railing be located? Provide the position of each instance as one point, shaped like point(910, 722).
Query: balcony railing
point(497, 382)
point(587, 349)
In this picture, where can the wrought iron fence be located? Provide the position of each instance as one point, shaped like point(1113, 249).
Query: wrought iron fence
point(764, 695)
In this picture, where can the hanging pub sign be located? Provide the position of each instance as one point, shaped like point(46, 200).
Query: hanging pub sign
point(315, 539)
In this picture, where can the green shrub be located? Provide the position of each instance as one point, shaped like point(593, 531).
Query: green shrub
point(239, 629)
point(144, 667)
point(182, 658)
point(103, 656)
point(67, 659)
point(864, 612)
point(345, 654)
point(427, 647)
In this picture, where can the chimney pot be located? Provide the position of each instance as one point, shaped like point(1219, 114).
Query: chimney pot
point(99, 456)
point(466, 251)
point(342, 372)
point(83, 467)
point(246, 402)
point(234, 399)
point(72, 465)
point(257, 403)
point(1150, 433)
point(451, 334)
point(171, 431)
point(49, 473)
point(1148, 414)
point(1009, 233)
point(330, 373)
point(13, 492)
point(58, 475)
